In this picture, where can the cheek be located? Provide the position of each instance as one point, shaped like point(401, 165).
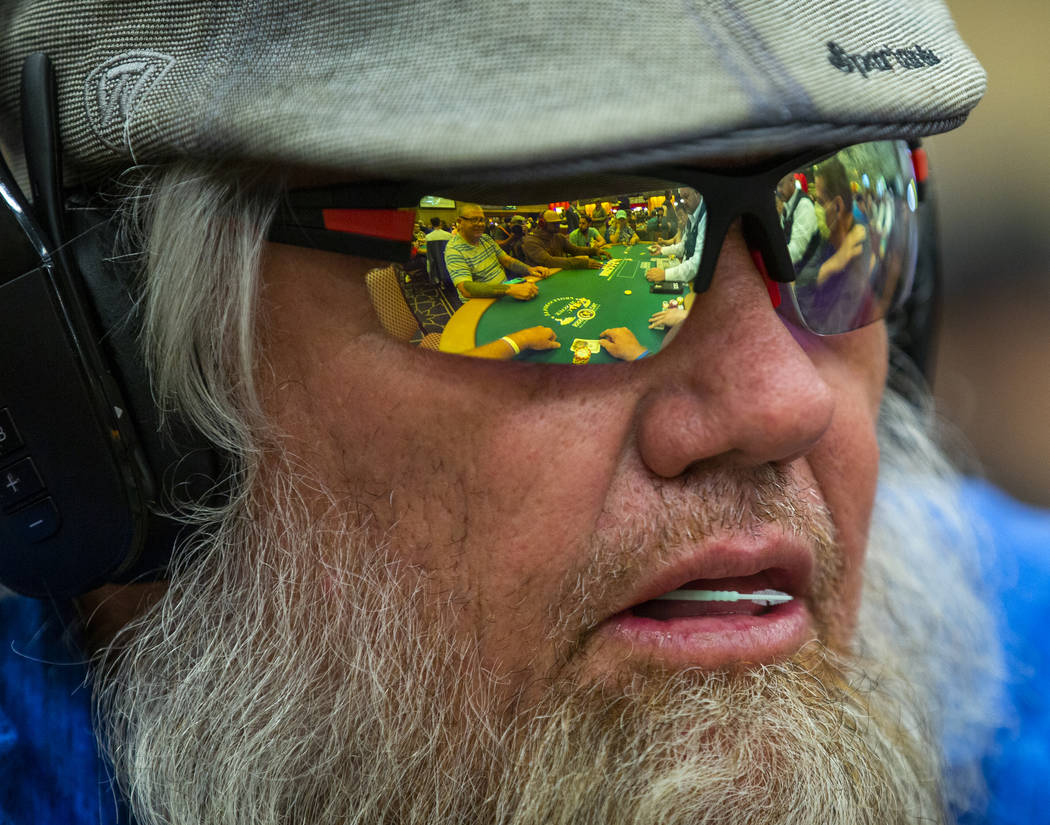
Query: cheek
point(845, 463)
point(449, 459)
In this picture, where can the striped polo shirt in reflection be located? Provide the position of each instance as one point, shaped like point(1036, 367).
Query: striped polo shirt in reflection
point(474, 263)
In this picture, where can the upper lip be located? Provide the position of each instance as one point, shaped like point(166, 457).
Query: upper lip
point(784, 564)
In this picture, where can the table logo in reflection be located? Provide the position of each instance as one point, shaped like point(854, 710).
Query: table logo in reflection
point(568, 311)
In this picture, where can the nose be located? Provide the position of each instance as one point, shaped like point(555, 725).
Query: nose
point(736, 384)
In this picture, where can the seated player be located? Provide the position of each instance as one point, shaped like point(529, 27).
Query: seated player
point(477, 266)
point(841, 266)
point(548, 246)
point(621, 232)
point(623, 344)
point(681, 221)
point(514, 343)
point(509, 237)
point(659, 223)
point(690, 249)
point(586, 235)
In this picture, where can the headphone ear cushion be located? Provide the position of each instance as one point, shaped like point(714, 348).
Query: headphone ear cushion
point(180, 462)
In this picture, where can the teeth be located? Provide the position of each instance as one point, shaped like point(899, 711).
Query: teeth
point(760, 596)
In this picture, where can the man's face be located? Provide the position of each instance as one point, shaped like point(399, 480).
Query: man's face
point(552, 222)
point(832, 206)
point(551, 507)
point(585, 225)
point(472, 223)
point(690, 197)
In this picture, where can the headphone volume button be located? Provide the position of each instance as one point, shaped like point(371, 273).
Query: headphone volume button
point(126, 443)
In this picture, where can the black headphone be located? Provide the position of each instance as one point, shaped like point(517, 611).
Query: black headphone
point(86, 474)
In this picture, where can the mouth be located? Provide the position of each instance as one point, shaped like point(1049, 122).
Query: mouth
point(746, 596)
point(751, 614)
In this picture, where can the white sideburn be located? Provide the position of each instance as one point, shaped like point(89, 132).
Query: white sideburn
point(761, 596)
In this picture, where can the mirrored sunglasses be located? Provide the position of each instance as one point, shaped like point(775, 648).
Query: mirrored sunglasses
point(834, 235)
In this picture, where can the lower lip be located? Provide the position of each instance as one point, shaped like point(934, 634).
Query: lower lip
point(711, 642)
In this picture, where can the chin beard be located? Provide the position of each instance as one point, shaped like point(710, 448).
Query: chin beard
point(808, 740)
point(267, 687)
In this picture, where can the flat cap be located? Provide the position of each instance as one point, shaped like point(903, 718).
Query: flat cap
point(406, 88)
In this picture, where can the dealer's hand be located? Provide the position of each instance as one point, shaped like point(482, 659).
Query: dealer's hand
point(655, 274)
point(523, 291)
point(654, 248)
point(620, 343)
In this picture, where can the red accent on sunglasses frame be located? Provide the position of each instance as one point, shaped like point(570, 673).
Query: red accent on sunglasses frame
point(921, 163)
point(772, 287)
point(389, 224)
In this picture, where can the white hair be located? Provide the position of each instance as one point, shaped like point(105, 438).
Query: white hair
point(936, 614)
point(200, 234)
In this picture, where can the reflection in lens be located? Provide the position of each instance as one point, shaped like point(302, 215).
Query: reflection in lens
point(851, 244)
point(590, 280)
point(600, 270)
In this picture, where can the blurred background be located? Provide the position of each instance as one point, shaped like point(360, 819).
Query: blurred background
point(992, 378)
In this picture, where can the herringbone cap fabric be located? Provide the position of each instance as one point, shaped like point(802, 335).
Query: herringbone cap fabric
point(408, 88)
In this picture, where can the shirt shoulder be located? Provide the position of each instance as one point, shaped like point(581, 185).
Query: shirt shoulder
point(1016, 569)
point(46, 724)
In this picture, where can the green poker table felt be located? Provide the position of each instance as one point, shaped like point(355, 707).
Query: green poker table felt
point(576, 303)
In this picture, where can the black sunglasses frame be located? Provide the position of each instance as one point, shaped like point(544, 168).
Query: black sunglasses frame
point(746, 193)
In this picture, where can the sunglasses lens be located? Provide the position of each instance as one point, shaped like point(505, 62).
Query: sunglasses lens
point(852, 232)
point(528, 283)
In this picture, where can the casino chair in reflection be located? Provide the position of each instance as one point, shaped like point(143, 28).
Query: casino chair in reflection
point(392, 309)
point(436, 269)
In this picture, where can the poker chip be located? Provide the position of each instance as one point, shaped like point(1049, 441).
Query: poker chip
point(627, 292)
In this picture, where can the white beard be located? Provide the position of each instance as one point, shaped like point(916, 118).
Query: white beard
point(267, 687)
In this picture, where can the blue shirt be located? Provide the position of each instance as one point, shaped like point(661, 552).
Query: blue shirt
point(1017, 569)
point(50, 769)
